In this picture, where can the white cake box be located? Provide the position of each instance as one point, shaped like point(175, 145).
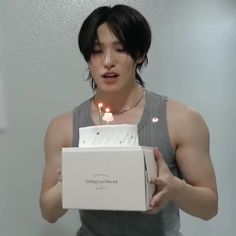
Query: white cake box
point(108, 178)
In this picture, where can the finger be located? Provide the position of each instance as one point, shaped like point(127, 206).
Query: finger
point(152, 211)
point(158, 155)
point(59, 174)
point(156, 200)
point(155, 152)
point(160, 160)
point(160, 184)
point(156, 203)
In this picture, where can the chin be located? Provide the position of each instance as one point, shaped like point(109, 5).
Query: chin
point(110, 88)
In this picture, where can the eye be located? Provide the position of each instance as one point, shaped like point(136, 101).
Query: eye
point(121, 50)
point(97, 51)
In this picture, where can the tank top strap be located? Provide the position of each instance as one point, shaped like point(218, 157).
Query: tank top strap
point(81, 118)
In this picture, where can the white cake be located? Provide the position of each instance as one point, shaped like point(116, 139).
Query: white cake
point(108, 136)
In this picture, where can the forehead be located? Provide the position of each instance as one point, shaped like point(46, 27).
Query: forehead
point(105, 35)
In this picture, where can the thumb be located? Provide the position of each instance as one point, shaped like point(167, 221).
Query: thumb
point(161, 163)
point(158, 156)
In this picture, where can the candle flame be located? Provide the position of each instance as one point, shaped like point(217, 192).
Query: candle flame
point(108, 117)
point(100, 105)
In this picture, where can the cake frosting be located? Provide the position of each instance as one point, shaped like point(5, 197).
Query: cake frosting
point(108, 136)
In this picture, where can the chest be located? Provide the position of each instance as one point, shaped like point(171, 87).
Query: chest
point(132, 116)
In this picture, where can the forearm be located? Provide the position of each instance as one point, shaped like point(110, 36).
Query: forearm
point(201, 202)
point(51, 204)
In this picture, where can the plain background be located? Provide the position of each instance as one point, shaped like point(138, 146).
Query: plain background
point(192, 59)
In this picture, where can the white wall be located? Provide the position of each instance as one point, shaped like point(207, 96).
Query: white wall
point(192, 59)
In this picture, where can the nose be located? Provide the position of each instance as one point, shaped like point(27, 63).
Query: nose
point(109, 60)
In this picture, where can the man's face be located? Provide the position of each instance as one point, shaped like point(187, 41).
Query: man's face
point(112, 68)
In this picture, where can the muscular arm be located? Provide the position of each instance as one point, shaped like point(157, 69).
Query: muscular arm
point(58, 135)
point(197, 195)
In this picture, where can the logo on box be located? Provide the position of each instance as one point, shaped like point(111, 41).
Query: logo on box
point(101, 181)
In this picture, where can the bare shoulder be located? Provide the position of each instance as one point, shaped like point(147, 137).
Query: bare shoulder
point(65, 119)
point(182, 111)
point(60, 130)
point(185, 123)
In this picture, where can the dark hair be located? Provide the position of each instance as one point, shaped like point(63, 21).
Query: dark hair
point(127, 24)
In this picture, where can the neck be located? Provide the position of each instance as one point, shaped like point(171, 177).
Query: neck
point(121, 100)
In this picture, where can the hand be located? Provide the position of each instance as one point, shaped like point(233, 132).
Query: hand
point(59, 174)
point(165, 185)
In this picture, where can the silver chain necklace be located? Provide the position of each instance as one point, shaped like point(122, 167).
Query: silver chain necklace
point(124, 110)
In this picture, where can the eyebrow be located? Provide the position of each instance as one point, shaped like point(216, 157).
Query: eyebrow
point(115, 43)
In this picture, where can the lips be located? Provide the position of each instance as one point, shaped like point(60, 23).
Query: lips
point(110, 75)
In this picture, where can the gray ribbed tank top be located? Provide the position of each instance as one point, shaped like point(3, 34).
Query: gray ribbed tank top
point(123, 223)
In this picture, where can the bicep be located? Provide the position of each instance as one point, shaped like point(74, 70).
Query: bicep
point(193, 154)
point(58, 135)
point(52, 159)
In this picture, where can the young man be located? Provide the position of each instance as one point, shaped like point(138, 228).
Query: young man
point(114, 41)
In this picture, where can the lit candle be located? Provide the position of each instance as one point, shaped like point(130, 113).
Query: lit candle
point(108, 117)
point(100, 105)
